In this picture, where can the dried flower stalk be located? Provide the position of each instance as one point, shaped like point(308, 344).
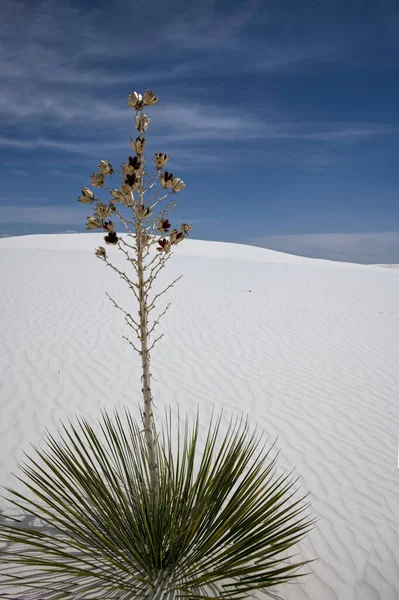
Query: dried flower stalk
point(140, 194)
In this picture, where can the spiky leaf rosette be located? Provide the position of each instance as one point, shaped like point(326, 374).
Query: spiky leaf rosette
point(219, 528)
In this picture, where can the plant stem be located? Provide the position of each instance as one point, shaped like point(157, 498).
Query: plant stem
point(148, 415)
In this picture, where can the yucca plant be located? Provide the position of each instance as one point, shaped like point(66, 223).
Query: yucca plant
point(218, 526)
point(123, 511)
point(143, 194)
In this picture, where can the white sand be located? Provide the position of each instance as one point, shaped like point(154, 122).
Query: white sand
point(312, 353)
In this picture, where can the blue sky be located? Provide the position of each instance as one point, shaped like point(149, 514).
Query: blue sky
point(281, 116)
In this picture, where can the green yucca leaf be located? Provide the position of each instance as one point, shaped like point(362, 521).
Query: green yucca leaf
point(219, 525)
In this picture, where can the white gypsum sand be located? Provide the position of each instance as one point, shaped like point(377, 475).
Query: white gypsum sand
point(307, 348)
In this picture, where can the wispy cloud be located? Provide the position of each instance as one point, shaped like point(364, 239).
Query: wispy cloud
point(208, 31)
point(58, 97)
point(236, 83)
point(42, 215)
point(293, 56)
point(53, 144)
point(187, 122)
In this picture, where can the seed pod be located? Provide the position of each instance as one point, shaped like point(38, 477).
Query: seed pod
point(177, 184)
point(172, 235)
point(138, 145)
point(131, 180)
point(87, 192)
point(102, 210)
point(127, 195)
point(105, 167)
point(87, 196)
point(160, 160)
point(111, 238)
point(142, 211)
point(134, 162)
point(129, 201)
point(149, 98)
point(125, 189)
point(101, 252)
point(176, 236)
point(97, 179)
point(186, 228)
point(166, 179)
point(164, 245)
point(142, 122)
point(93, 223)
point(108, 226)
point(116, 195)
point(163, 226)
point(127, 169)
point(135, 100)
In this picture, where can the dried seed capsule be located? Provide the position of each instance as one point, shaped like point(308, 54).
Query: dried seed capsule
point(135, 100)
point(87, 196)
point(160, 160)
point(102, 210)
point(111, 238)
point(93, 223)
point(177, 185)
point(97, 179)
point(163, 226)
point(142, 122)
point(186, 228)
point(105, 167)
point(138, 145)
point(101, 252)
point(149, 98)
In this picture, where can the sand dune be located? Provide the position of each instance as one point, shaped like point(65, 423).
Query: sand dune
point(308, 348)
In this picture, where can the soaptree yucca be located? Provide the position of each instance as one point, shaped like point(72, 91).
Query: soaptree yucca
point(148, 197)
point(216, 525)
point(122, 511)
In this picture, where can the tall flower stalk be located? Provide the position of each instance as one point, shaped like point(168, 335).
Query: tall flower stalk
point(144, 194)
